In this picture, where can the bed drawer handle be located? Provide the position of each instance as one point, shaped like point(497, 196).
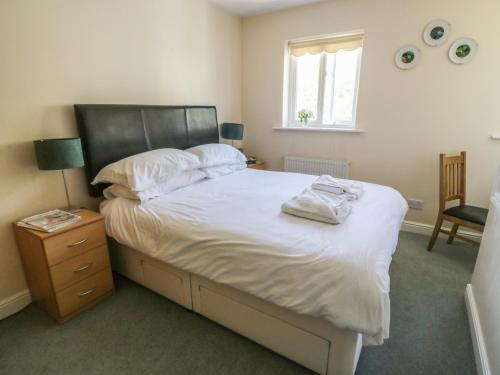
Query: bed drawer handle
point(83, 268)
point(83, 294)
point(77, 243)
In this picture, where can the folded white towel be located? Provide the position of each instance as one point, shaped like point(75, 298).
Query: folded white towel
point(318, 206)
point(349, 189)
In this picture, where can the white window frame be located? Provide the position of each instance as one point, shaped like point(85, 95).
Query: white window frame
point(290, 91)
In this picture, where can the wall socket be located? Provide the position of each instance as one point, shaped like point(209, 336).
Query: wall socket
point(416, 204)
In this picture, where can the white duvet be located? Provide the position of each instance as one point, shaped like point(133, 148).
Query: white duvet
point(231, 230)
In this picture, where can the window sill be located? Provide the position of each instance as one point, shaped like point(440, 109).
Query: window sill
point(318, 129)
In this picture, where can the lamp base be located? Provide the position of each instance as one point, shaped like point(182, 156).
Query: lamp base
point(69, 207)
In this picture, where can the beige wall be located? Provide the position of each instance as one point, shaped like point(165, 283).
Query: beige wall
point(58, 52)
point(409, 116)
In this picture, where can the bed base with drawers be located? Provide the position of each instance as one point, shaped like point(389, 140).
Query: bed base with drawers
point(314, 343)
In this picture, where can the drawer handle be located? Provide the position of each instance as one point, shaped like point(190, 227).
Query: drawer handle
point(90, 291)
point(83, 268)
point(77, 243)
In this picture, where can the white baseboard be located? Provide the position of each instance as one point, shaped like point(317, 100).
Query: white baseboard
point(13, 304)
point(426, 229)
point(482, 364)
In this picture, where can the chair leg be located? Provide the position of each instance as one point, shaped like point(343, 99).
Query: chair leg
point(435, 233)
point(452, 234)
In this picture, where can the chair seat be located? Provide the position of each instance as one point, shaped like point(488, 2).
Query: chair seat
point(469, 213)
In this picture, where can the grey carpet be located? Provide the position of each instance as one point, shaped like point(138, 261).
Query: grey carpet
point(138, 332)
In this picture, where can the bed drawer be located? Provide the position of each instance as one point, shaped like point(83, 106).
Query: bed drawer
point(78, 268)
point(167, 281)
point(75, 242)
point(81, 294)
point(305, 348)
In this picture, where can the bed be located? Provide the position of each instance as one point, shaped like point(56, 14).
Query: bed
point(221, 247)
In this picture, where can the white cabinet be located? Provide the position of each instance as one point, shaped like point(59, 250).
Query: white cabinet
point(483, 296)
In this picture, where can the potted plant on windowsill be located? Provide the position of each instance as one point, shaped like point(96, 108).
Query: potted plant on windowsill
point(304, 115)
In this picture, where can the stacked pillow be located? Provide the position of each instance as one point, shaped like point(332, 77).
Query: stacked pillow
point(142, 171)
point(219, 159)
point(174, 182)
point(155, 173)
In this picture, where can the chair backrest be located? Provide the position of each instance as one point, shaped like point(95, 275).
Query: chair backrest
point(452, 173)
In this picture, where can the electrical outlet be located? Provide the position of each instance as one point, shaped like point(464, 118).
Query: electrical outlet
point(416, 204)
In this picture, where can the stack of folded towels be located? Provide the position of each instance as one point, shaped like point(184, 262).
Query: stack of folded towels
point(326, 200)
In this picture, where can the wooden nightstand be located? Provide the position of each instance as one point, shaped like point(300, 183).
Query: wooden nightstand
point(67, 270)
point(258, 165)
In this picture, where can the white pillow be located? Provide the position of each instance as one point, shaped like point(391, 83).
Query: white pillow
point(141, 171)
point(222, 170)
point(217, 154)
point(177, 181)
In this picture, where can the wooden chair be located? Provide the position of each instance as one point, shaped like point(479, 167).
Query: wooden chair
point(452, 181)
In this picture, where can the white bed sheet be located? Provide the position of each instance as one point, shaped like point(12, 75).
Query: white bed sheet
point(231, 230)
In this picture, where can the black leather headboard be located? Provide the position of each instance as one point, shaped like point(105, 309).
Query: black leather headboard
point(112, 132)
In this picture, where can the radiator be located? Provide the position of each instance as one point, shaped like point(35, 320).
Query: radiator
point(334, 168)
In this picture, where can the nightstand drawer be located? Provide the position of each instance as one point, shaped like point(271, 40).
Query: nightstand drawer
point(79, 267)
point(75, 242)
point(79, 295)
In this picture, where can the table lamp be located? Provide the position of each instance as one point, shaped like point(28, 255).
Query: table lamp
point(59, 154)
point(232, 131)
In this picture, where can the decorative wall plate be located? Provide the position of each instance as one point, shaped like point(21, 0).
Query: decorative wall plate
point(463, 50)
point(436, 32)
point(407, 57)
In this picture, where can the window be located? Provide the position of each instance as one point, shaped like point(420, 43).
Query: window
point(323, 81)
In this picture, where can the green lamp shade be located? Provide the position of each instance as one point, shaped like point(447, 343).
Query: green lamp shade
point(232, 131)
point(60, 153)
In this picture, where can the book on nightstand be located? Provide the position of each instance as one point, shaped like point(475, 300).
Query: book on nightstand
point(49, 221)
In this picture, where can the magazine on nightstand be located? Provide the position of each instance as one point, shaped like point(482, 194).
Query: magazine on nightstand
point(49, 221)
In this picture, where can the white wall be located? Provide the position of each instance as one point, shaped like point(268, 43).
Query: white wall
point(486, 288)
point(409, 116)
point(55, 53)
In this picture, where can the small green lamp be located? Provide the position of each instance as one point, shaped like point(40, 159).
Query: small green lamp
point(59, 154)
point(232, 131)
